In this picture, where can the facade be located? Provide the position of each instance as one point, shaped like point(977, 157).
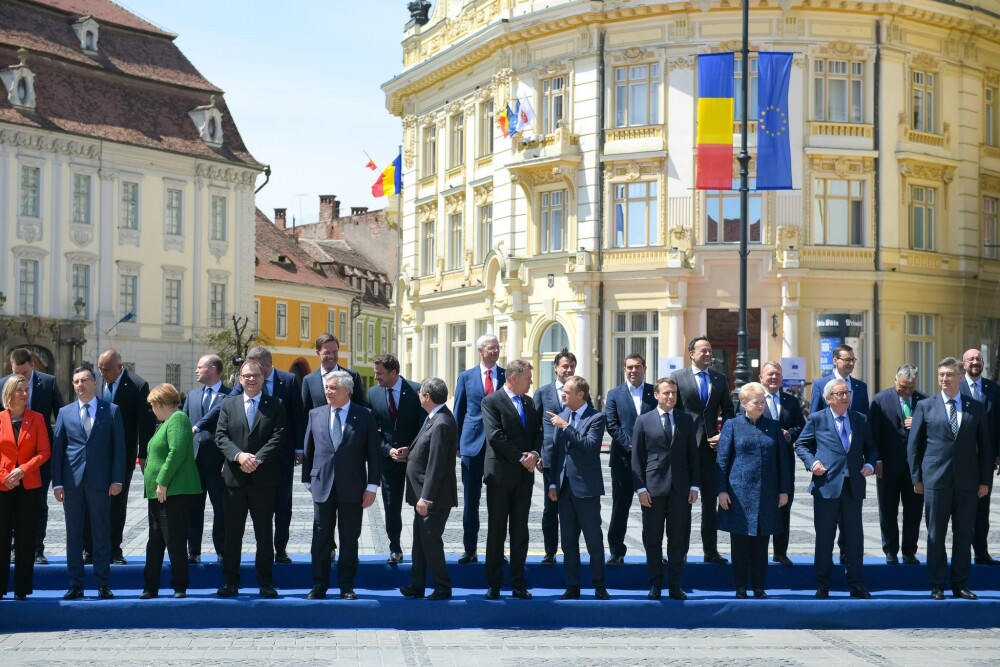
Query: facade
point(586, 229)
point(125, 188)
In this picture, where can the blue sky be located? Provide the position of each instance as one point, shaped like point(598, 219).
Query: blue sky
point(302, 80)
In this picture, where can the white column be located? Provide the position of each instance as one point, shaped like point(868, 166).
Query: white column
point(789, 321)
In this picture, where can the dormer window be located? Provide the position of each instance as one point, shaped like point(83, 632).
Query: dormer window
point(208, 121)
point(19, 83)
point(88, 32)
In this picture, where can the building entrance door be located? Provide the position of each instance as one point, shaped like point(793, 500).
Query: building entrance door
point(721, 332)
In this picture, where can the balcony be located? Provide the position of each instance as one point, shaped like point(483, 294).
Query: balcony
point(850, 136)
point(639, 139)
point(553, 158)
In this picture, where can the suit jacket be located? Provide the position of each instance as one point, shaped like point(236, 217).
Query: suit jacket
point(859, 395)
point(28, 452)
point(820, 441)
point(943, 461)
point(207, 455)
point(575, 454)
point(661, 468)
point(409, 416)
point(546, 400)
point(101, 456)
point(137, 415)
point(286, 387)
point(351, 467)
point(620, 414)
point(885, 418)
point(430, 466)
point(45, 398)
point(469, 394)
point(314, 393)
point(263, 438)
point(991, 399)
point(706, 420)
point(507, 440)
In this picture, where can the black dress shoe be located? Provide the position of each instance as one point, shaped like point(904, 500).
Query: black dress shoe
point(88, 558)
point(268, 592)
point(741, 593)
point(760, 593)
point(40, 559)
point(104, 593)
point(861, 593)
point(549, 559)
point(493, 593)
point(282, 557)
point(439, 594)
point(937, 593)
point(616, 560)
point(715, 559)
point(395, 558)
point(194, 559)
point(601, 593)
point(118, 559)
point(822, 593)
point(783, 560)
point(74, 593)
point(677, 594)
point(892, 560)
point(21, 597)
point(654, 593)
point(521, 593)
point(964, 594)
point(148, 595)
point(468, 557)
point(572, 593)
point(986, 559)
point(348, 594)
point(411, 592)
point(316, 594)
point(910, 559)
point(228, 591)
point(179, 594)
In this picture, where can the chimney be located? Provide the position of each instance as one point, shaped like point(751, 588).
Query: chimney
point(359, 210)
point(329, 208)
point(279, 217)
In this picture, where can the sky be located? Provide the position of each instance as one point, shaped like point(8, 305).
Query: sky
point(302, 80)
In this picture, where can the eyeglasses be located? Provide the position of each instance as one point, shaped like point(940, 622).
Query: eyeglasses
point(849, 360)
point(840, 394)
point(252, 376)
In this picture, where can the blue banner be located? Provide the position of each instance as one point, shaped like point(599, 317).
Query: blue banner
point(774, 155)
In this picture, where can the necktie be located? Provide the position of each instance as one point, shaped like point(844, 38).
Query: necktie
point(251, 411)
point(665, 420)
point(393, 412)
point(703, 388)
point(267, 387)
point(206, 400)
point(489, 383)
point(772, 405)
point(953, 417)
point(842, 427)
point(907, 410)
point(336, 430)
point(520, 411)
point(559, 393)
point(977, 392)
point(88, 423)
point(108, 391)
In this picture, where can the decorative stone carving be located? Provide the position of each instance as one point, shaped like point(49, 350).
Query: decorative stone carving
point(81, 234)
point(173, 242)
point(29, 252)
point(925, 61)
point(684, 62)
point(926, 171)
point(171, 272)
point(126, 268)
point(128, 237)
point(218, 173)
point(483, 194)
point(455, 203)
point(989, 181)
point(29, 230)
point(58, 146)
point(218, 249)
point(428, 210)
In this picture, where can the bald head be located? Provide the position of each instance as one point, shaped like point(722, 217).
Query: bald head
point(209, 370)
point(972, 362)
point(110, 365)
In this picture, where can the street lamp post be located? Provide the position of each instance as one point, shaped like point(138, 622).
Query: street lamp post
point(742, 342)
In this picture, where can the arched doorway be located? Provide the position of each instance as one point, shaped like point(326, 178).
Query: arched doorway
point(553, 340)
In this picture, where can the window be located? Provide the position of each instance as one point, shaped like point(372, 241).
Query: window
point(31, 196)
point(457, 348)
point(384, 340)
point(427, 248)
point(371, 339)
point(129, 214)
point(722, 214)
point(217, 231)
point(553, 340)
point(359, 330)
point(174, 223)
point(485, 145)
point(456, 147)
point(331, 322)
point(172, 305)
point(305, 324)
point(634, 332)
point(81, 199)
point(922, 101)
point(430, 151)
point(637, 95)
point(217, 305)
point(922, 214)
point(28, 289)
point(636, 218)
point(80, 290)
point(991, 230)
point(172, 374)
point(454, 242)
point(342, 334)
point(919, 343)
point(408, 358)
point(484, 241)
point(256, 315)
point(838, 212)
point(432, 351)
point(738, 90)
point(838, 91)
point(553, 213)
point(281, 320)
point(553, 103)
point(991, 114)
point(128, 289)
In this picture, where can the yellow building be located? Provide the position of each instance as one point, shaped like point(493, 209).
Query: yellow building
point(889, 239)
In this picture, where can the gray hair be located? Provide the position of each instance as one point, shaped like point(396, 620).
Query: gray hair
point(435, 389)
point(952, 363)
point(343, 378)
point(518, 367)
point(828, 389)
point(260, 353)
point(752, 390)
point(907, 373)
point(486, 338)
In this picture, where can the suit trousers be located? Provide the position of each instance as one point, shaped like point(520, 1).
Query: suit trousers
point(779, 541)
point(827, 514)
point(325, 519)
point(215, 491)
point(428, 551)
point(472, 492)
point(550, 524)
point(749, 557)
point(42, 517)
point(581, 515)
point(258, 502)
point(622, 490)
point(93, 506)
point(709, 508)
point(507, 506)
point(671, 514)
point(18, 513)
point(393, 488)
point(893, 489)
point(982, 527)
point(168, 527)
point(959, 507)
point(283, 501)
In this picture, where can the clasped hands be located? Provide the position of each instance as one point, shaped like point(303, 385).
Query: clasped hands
point(531, 461)
point(818, 470)
point(248, 462)
point(14, 478)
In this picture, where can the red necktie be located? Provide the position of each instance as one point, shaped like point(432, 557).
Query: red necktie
point(489, 383)
point(392, 405)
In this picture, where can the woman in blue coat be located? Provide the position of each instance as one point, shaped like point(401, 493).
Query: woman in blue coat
point(754, 480)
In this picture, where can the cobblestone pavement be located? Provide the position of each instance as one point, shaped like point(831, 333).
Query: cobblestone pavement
point(581, 648)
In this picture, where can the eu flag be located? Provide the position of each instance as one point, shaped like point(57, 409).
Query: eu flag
point(774, 155)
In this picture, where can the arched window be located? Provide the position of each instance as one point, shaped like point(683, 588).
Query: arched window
point(553, 340)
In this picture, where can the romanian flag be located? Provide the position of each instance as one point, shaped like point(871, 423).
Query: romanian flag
point(390, 182)
point(503, 120)
point(715, 122)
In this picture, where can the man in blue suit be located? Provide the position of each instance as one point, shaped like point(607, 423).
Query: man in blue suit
point(951, 461)
point(313, 391)
point(576, 483)
point(836, 447)
point(548, 399)
point(471, 387)
point(625, 402)
point(987, 392)
point(88, 465)
point(891, 416)
point(844, 360)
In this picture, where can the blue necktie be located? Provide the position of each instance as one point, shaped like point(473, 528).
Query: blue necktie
point(703, 389)
point(520, 411)
point(108, 394)
point(842, 427)
point(206, 400)
point(88, 423)
point(953, 417)
point(336, 430)
point(251, 411)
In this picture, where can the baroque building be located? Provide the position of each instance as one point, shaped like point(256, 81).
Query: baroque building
point(585, 229)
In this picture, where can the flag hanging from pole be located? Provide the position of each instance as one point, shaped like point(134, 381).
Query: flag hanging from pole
point(390, 181)
point(715, 122)
point(371, 163)
point(503, 121)
point(774, 154)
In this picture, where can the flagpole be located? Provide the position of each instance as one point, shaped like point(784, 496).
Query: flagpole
point(742, 341)
point(399, 260)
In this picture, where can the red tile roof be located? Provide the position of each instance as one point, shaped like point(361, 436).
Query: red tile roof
point(102, 11)
point(297, 267)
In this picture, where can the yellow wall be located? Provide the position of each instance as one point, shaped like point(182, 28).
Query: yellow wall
point(293, 347)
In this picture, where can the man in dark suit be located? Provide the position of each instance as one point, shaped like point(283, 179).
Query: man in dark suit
point(987, 392)
point(836, 447)
point(667, 471)
point(88, 466)
point(704, 395)
point(198, 408)
point(513, 442)
point(890, 416)
point(625, 402)
point(844, 360)
point(341, 468)
point(129, 392)
point(396, 407)
point(432, 489)
point(43, 397)
point(548, 399)
point(313, 389)
point(471, 387)
point(784, 409)
point(249, 435)
point(951, 461)
point(576, 482)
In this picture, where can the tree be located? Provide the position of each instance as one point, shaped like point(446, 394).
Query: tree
point(232, 344)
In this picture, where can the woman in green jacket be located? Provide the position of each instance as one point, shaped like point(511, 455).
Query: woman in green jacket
point(171, 478)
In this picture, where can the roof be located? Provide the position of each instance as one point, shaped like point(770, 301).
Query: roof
point(103, 12)
point(297, 268)
point(339, 252)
